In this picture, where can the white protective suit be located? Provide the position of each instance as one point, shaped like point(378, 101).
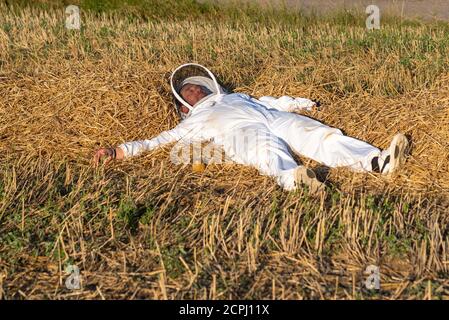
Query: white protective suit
point(262, 133)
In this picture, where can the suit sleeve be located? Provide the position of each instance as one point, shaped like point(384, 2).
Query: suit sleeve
point(286, 103)
point(134, 148)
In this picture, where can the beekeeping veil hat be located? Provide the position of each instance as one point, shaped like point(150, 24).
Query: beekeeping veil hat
point(192, 73)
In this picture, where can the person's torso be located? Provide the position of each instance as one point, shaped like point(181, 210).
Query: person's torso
point(229, 113)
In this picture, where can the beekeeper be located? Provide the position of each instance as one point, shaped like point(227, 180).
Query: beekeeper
point(261, 133)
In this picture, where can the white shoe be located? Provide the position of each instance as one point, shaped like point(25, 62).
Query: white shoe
point(392, 158)
point(307, 177)
point(397, 150)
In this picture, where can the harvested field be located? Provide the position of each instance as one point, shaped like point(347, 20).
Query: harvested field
point(145, 228)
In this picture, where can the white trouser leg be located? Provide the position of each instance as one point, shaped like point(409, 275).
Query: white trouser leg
point(256, 146)
point(322, 143)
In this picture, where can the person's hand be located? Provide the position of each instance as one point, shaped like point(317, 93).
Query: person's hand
point(109, 153)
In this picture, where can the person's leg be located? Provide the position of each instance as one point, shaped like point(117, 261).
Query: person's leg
point(327, 145)
point(258, 147)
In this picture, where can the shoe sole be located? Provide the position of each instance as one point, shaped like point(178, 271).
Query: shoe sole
point(397, 152)
point(308, 178)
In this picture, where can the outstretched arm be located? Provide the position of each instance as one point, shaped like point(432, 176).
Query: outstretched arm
point(286, 103)
point(134, 148)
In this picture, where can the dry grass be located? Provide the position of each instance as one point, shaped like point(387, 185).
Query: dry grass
point(146, 228)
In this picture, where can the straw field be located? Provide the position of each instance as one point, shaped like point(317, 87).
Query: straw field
point(145, 228)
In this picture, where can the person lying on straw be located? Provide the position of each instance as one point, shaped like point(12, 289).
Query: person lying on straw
point(261, 133)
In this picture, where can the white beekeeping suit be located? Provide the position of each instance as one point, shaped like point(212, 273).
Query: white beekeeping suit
point(262, 133)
